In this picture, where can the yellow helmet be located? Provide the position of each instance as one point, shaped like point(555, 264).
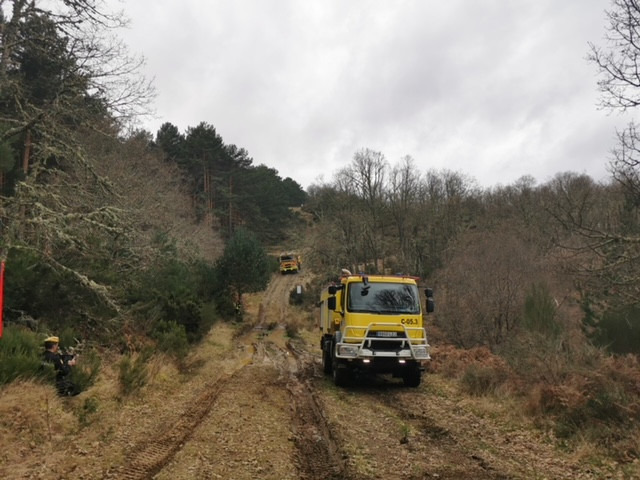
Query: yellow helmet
point(52, 340)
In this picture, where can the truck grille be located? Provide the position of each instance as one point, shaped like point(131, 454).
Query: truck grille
point(381, 345)
point(385, 334)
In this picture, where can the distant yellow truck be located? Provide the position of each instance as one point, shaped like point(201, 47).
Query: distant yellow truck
point(289, 263)
point(374, 323)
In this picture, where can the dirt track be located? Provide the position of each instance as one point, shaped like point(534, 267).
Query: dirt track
point(257, 406)
point(275, 416)
point(261, 420)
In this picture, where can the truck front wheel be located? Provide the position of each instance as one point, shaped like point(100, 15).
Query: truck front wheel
point(327, 360)
point(341, 375)
point(412, 377)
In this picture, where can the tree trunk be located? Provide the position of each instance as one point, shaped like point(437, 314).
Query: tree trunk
point(27, 152)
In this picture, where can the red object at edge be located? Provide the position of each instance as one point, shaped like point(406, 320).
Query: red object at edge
point(1, 294)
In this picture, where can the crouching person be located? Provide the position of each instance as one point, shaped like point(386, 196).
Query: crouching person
point(62, 366)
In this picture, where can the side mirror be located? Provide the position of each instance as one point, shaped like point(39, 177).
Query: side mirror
point(431, 305)
point(332, 289)
point(331, 303)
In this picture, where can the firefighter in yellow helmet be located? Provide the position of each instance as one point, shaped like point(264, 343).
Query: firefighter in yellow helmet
point(62, 365)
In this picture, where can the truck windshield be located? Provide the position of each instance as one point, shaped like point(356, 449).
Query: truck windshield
point(383, 298)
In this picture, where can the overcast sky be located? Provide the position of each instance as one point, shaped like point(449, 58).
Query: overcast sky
point(495, 89)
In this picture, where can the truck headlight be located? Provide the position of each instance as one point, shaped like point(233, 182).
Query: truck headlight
point(420, 351)
point(348, 350)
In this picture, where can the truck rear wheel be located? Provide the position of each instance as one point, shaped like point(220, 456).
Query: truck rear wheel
point(412, 377)
point(327, 360)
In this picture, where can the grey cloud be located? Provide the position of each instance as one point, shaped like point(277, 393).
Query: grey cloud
point(492, 88)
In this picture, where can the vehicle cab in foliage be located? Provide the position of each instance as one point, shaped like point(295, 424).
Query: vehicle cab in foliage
point(374, 324)
point(289, 262)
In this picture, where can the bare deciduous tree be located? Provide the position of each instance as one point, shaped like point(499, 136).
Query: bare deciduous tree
point(403, 193)
point(483, 287)
point(365, 176)
point(618, 63)
point(605, 221)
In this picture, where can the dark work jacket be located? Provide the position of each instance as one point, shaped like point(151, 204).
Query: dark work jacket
point(60, 366)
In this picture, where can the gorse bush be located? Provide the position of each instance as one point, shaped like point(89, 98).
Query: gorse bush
point(182, 307)
point(31, 286)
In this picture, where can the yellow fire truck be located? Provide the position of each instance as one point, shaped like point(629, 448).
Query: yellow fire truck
point(289, 262)
point(374, 324)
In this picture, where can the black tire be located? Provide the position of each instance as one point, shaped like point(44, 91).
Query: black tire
point(327, 359)
point(412, 377)
point(341, 375)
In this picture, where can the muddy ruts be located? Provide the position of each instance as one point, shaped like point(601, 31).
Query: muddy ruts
point(319, 455)
point(148, 459)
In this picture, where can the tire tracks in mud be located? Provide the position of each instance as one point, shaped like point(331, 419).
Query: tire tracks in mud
point(425, 435)
point(147, 459)
point(316, 449)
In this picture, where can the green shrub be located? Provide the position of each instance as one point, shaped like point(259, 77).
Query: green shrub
point(85, 372)
point(618, 330)
point(225, 303)
point(175, 291)
point(133, 372)
point(540, 311)
point(21, 356)
point(208, 317)
point(35, 288)
point(182, 307)
point(273, 262)
point(243, 267)
point(171, 338)
point(87, 411)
